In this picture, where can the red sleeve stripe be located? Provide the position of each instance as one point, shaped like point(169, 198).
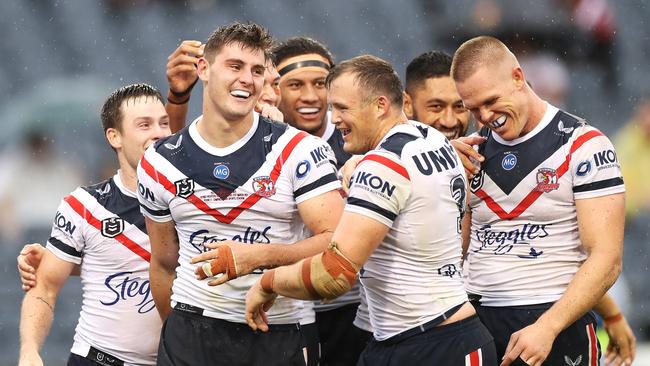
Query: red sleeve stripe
point(82, 211)
point(246, 204)
point(397, 168)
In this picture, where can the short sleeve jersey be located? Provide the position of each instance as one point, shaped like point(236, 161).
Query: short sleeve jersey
point(101, 228)
point(246, 192)
point(525, 247)
point(414, 183)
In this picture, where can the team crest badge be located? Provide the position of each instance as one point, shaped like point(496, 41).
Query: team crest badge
point(184, 187)
point(546, 180)
point(263, 186)
point(112, 227)
point(477, 182)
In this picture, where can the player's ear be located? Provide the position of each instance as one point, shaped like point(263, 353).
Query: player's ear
point(518, 77)
point(114, 138)
point(382, 104)
point(408, 105)
point(202, 67)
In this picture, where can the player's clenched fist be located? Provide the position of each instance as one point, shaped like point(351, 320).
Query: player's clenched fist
point(230, 258)
point(181, 67)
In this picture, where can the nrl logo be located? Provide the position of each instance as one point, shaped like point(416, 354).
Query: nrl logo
point(477, 181)
point(184, 187)
point(112, 227)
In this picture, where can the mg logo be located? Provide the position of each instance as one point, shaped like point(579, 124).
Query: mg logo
point(509, 161)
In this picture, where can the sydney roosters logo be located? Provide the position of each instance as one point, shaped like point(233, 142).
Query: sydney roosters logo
point(263, 186)
point(546, 180)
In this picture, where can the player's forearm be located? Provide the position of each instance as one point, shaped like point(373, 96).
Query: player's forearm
point(607, 307)
point(36, 318)
point(596, 275)
point(177, 112)
point(275, 255)
point(161, 280)
point(287, 281)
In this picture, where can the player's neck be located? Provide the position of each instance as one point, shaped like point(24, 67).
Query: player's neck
point(128, 176)
point(221, 133)
point(386, 124)
point(537, 110)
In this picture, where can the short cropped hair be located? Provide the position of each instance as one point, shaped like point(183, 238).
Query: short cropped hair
point(374, 75)
point(298, 46)
point(111, 114)
point(475, 53)
point(250, 35)
point(432, 64)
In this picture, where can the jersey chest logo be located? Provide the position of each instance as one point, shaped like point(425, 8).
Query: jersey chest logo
point(184, 187)
point(264, 186)
point(112, 227)
point(546, 180)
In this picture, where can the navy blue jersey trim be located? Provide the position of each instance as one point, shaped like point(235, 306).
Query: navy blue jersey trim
point(156, 212)
point(395, 143)
point(599, 185)
point(315, 184)
point(58, 244)
point(372, 207)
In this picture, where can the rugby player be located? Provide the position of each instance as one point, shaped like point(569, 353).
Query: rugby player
point(304, 64)
point(547, 214)
point(242, 180)
point(102, 224)
point(409, 175)
point(182, 77)
point(430, 95)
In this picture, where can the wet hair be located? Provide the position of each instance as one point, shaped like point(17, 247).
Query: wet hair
point(250, 35)
point(111, 114)
point(432, 64)
point(298, 46)
point(374, 75)
point(475, 53)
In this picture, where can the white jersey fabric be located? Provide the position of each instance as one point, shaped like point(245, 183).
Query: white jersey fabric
point(414, 183)
point(101, 228)
point(525, 247)
point(246, 192)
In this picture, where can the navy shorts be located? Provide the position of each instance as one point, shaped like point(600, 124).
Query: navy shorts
point(341, 342)
point(576, 345)
point(193, 339)
point(311, 343)
point(465, 342)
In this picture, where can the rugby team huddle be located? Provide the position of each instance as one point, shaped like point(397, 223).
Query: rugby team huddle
point(322, 213)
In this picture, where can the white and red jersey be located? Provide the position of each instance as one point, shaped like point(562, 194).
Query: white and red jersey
point(414, 183)
point(525, 247)
point(246, 192)
point(101, 228)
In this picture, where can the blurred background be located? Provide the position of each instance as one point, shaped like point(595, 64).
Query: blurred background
point(61, 59)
